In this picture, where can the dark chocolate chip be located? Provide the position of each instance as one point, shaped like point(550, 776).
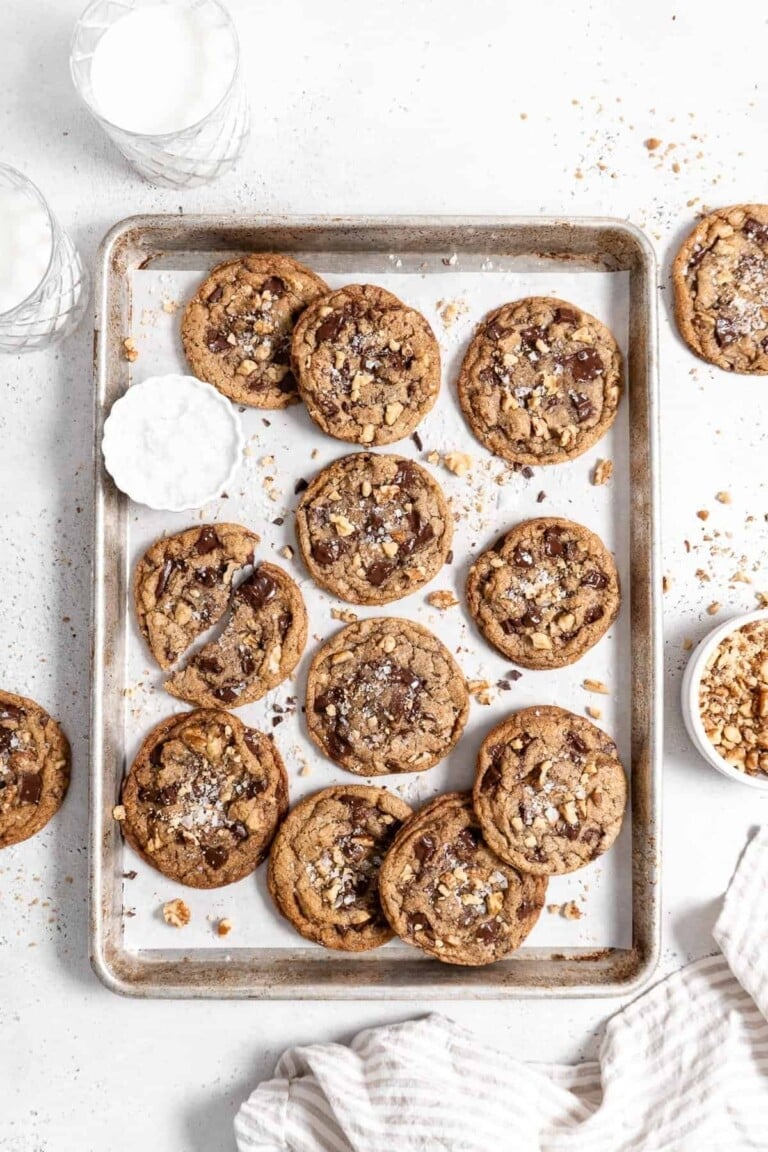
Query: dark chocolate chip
point(594, 578)
point(583, 406)
point(584, 365)
point(593, 614)
point(529, 336)
point(565, 316)
point(300, 486)
point(487, 932)
point(576, 743)
point(11, 712)
point(553, 545)
point(418, 925)
point(258, 589)
point(379, 572)
point(216, 295)
point(253, 786)
point(215, 857)
point(330, 327)
point(494, 330)
point(407, 474)
point(417, 441)
point(274, 285)
point(425, 848)
point(725, 331)
point(207, 541)
point(239, 830)
point(522, 557)
point(217, 341)
point(287, 384)
point(226, 693)
point(327, 551)
point(30, 787)
point(754, 230)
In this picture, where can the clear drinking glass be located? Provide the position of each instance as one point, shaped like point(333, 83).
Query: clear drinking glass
point(56, 306)
point(180, 159)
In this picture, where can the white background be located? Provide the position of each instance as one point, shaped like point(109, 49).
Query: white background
point(403, 106)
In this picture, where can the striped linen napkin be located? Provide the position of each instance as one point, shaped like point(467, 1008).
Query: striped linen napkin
point(683, 1068)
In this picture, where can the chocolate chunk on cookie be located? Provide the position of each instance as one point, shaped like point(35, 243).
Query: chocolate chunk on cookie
point(385, 695)
point(373, 528)
point(324, 865)
point(237, 328)
point(182, 585)
point(541, 381)
point(550, 791)
point(204, 797)
point(545, 593)
point(260, 646)
point(368, 366)
point(720, 276)
point(444, 890)
point(34, 768)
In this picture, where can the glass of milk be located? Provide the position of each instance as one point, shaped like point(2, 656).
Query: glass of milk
point(43, 285)
point(163, 79)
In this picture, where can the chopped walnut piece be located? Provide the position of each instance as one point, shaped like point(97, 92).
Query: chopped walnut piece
point(481, 690)
point(596, 686)
point(176, 913)
point(703, 514)
point(652, 143)
point(344, 614)
point(457, 462)
point(713, 608)
point(602, 472)
point(224, 927)
point(130, 351)
point(723, 497)
point(442, 600)
point(287, 552)
point(571, 911)
point(118, 812)
point(733, 698)
point(592, 712)
point(666, 583)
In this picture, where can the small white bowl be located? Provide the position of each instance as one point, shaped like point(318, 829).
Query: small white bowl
point(690, 699)
point(172, 443)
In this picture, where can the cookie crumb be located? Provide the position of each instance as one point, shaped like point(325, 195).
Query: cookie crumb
point(457, 462)
point(224, 927)
point(287, 552)
point(450, 310)
point(602, 473)
point(723, 497)
point(176, 913)
point(596, 686)
point(170, 306)
point(571, 911)
point(442, 600)
point(130, 351)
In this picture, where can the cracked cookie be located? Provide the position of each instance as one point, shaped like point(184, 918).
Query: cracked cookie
point(260, 646)
point(373, 528)
point(541, 381)
point(204, 797)
point(34, 768)
point(385, 695)
point(324, 865)
point(237, 329)
point(182, 585)
point(720, 277)
point(545, 593)
point(443, 889)
point(368, 366)
point(550, 791)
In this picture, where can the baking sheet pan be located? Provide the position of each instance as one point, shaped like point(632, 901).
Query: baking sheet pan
point(149, 266)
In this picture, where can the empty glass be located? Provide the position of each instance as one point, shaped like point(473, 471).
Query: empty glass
point(187, 156)
point(41, 266)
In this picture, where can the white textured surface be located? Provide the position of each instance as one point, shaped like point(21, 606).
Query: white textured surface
point(409, 107)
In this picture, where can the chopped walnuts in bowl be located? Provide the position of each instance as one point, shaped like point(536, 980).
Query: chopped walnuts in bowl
point(725, 698)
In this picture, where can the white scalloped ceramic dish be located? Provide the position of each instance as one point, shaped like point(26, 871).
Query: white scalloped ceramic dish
point(172, 443)
point(690, 699)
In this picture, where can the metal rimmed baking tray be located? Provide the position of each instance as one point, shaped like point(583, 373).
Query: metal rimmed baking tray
point(457, 257)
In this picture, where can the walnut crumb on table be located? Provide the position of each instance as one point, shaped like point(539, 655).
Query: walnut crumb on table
point(176, 913)
point(596, 686)
point(344, 614)
point(481, 690)
point(442, 600)
point(224, 927)
point(457, 462)
point(602, 472)
point(130, 351)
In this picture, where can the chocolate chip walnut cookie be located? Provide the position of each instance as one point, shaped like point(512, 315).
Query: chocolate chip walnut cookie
point(182, 585)
point(34, 768)
point(237, 328)
point(541, 381)
point(720, 277)
point(384, 695)
point(203, 798)
point(324, 865)
point(373, 528)
point(550, 791)
point(443, 889)
point(368, 366)
point(259, 648)
point(545, 593)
